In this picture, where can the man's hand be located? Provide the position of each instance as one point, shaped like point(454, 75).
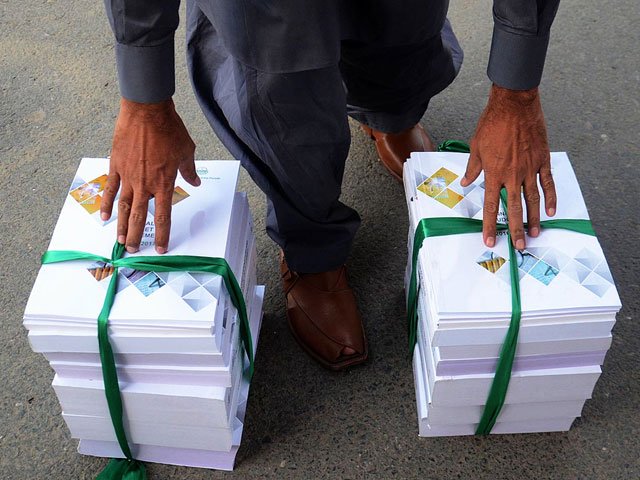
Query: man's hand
point(510, 145)
point(150, 145)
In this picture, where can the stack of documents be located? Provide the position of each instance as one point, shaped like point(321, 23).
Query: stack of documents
point(175, 335)
point(569, 305)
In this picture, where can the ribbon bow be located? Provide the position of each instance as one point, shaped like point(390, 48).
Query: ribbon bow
point(435, 227)
point(129, 468)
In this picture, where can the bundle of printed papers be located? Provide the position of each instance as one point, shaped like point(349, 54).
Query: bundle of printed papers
point(175, 336)
point(569, 304)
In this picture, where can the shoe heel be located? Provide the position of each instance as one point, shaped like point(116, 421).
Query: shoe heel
point(368, 131)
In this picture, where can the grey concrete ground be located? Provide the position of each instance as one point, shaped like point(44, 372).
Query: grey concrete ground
point(58, 102)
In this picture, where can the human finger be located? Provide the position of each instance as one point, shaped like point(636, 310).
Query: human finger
point(124, 209)
point(109, 195)
point(514, 213)
point(474, 167)
point(187, 168)
point(532, 200)
point(490, 212)
point(162, 220)
point(137, 220)
point(188, 171)
point(549, 190)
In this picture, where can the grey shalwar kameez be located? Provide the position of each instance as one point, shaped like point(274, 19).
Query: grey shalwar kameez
point(276, 80)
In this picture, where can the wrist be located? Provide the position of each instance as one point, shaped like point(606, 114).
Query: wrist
point(146, 109)
point(507, 96)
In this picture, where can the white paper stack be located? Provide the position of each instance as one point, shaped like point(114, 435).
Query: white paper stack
point(175, 335)
point(569, 304)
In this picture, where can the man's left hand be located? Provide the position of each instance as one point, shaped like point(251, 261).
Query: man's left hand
point(510, 145)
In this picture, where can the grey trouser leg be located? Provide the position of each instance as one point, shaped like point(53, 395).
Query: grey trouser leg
point(289, 129)
point(389, 86)
point(290, 132)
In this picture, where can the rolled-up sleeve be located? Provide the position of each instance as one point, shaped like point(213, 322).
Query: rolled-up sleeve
point(144, 32)
point(520, 39)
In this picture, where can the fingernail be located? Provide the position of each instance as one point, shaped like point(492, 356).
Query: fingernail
point(520, 244)
point(122, 239)
point(104, 216)
point(491, 241)
point(552, 212)
point(533, 231)
point(198, 181)
point(132, 249)
point(161, 250)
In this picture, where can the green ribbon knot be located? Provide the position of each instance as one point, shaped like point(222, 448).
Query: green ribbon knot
point(441, 226)
point(129, 468)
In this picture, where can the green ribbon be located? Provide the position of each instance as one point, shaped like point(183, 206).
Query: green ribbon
point(457, 146)
point(440, 226)
point(129, 468)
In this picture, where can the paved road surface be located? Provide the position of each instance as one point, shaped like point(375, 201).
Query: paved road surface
point(58, 102)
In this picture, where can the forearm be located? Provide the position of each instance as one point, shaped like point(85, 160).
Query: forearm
point(144, 33)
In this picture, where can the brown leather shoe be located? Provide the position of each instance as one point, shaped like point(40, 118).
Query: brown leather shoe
point(395, 148)
point(323, 317)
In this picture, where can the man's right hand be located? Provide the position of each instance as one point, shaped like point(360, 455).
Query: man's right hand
point(150, 145)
